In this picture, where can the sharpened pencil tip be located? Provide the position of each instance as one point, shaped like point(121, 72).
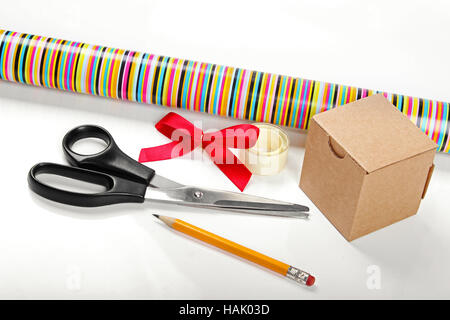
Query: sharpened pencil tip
point(156, 215)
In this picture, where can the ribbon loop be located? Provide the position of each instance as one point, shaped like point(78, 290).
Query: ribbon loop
point(186, 137)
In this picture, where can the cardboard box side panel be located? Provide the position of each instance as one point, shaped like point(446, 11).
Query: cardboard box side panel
point(332, 183)
point(391, 194)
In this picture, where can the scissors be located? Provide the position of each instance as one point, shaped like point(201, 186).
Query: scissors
point(127, 180)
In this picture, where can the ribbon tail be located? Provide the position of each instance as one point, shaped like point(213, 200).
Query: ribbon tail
point(236, 171)
point(164, 152)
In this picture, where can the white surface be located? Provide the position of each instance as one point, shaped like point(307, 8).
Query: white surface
point(54, 251)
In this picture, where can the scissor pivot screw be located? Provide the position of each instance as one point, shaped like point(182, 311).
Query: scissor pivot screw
point(198, 194)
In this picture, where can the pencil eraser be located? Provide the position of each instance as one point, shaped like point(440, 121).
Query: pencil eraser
point(310, 281)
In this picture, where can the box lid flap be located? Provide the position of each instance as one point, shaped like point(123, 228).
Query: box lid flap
point(374, 132)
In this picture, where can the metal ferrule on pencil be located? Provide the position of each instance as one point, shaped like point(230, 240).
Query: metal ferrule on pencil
point(297, 275)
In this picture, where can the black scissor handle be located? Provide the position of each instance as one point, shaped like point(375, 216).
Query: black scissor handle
point(111, 160)
point(118, 190)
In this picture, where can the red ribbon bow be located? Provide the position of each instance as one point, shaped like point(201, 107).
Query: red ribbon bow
point(186, 137)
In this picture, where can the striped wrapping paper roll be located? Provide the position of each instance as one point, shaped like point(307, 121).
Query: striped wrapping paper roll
point(211, 88)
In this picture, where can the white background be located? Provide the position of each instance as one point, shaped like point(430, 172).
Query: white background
point(55, 251)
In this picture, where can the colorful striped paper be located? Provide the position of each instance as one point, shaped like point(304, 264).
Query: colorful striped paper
point(198, 86)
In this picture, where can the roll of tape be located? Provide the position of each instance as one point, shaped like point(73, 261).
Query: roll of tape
point(269, 155)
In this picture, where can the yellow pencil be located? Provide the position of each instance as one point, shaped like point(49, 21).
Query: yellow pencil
point(241, 251)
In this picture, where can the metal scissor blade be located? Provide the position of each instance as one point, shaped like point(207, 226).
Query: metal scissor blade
point(291, 207)
point(272, 209)
point(164, 183)
point(199, 197)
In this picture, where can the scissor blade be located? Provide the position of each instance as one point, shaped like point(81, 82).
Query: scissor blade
point(164, 183)
point(292, 207)
point(198, 197)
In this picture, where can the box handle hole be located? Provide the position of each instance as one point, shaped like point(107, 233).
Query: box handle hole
point(336, 149)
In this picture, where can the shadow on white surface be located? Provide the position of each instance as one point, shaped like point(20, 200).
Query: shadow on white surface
point(74, 212)
point(183, 243)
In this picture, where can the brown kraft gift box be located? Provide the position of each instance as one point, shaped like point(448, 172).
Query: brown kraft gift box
point(366, 165)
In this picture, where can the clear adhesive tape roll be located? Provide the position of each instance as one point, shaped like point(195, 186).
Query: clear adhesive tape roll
point(269, 155)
